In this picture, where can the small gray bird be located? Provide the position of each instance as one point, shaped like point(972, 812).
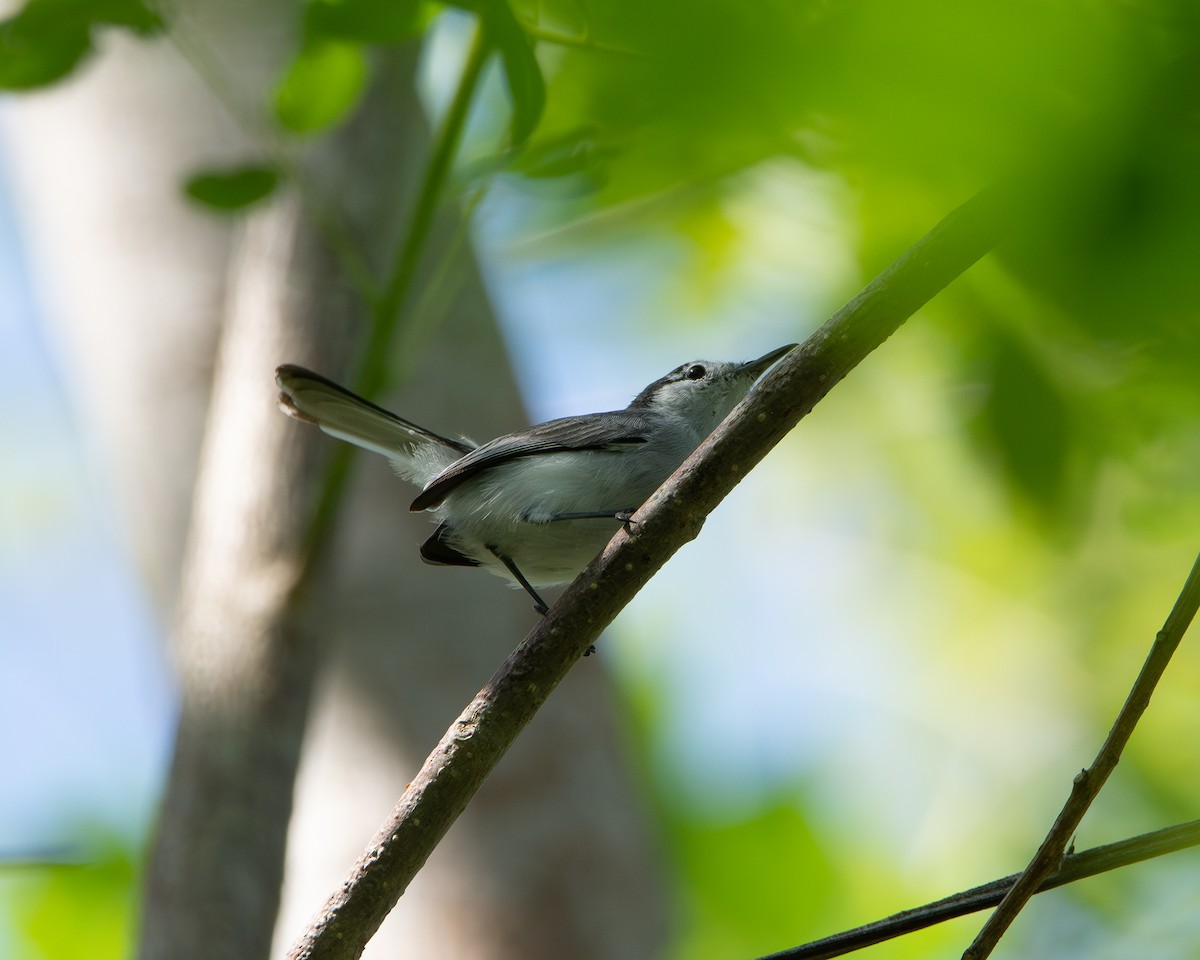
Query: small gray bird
point(536, 505)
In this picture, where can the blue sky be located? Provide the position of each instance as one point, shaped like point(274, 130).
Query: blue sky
point(85, 703)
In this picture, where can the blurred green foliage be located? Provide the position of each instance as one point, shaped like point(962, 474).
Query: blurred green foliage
point(232, 190)
point(750, 881)
point(522, 73)
point(46, 39)
point(63, 909)
point(1043, 441)
point(323, 82)
point(916, 106)
point(363, 21)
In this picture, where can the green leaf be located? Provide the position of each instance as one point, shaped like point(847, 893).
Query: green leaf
point(234, 189)
point(47, 39)
point(39, 46)
point(80, 911)
point(322, 85)
point(363, 21)
point(132, 14)
point(522, 75)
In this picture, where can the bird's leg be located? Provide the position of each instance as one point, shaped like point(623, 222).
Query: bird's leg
point(626, 518)
point(625, 515)
point(538, 603)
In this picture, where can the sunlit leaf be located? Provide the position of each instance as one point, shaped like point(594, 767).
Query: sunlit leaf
point(321, 86)
point(236, 189)
point(84, 910)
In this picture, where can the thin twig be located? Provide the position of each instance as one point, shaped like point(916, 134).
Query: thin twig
point(477, 740)
point(1089, 782)
point(1075, 866)
point(386, 309)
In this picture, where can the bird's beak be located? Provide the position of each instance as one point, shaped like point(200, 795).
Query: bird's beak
point(756, 368)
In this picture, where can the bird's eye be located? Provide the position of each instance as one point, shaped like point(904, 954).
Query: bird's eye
point(695, 372)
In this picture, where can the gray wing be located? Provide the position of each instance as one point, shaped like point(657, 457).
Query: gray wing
point(596, 431)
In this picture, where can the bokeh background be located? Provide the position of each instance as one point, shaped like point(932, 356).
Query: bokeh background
point(871, 679)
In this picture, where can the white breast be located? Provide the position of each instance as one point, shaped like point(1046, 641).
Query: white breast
point(511, 507)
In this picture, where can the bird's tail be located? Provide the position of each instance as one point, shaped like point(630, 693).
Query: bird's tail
point(416, 454)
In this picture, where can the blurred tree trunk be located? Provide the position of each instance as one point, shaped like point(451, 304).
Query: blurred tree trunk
point(171, 322)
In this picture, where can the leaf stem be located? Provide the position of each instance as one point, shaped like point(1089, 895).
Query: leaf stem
point(386, 309)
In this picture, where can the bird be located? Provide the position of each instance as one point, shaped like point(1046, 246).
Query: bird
point(534, 506)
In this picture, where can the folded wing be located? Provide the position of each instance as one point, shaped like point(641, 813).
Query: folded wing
point(601, 431)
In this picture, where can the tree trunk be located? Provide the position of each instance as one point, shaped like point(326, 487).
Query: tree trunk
point(158, 304)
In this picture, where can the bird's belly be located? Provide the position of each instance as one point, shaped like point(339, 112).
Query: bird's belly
point(510, 510)
point(545, 553)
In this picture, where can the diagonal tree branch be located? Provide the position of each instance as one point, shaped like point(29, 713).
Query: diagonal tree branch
point(481, 735)
point(1075, 866)
point(1089, 782)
